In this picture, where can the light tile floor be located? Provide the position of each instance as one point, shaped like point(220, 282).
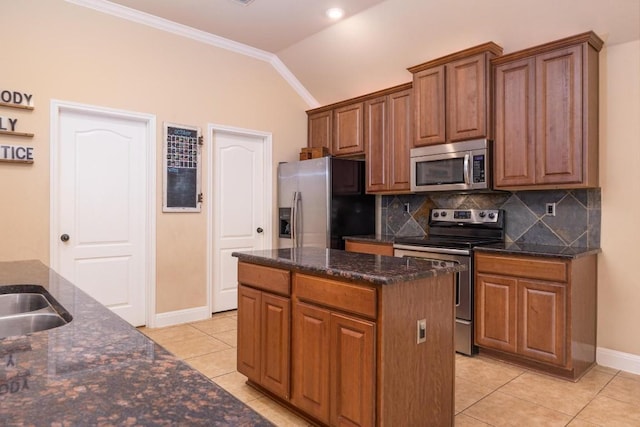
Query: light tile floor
point(488, 392)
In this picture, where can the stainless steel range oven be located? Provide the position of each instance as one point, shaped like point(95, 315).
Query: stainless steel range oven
point(452, 235)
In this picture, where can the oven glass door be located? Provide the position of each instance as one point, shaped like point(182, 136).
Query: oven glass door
point(463, 281)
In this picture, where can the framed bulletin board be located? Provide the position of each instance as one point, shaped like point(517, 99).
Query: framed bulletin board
point(182, 149)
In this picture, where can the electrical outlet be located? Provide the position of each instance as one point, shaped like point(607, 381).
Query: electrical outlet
point(421, 332)
point(551, 209)
point(406, 207)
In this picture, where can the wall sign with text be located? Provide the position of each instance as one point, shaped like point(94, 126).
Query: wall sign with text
point(14, 99)
point(182, 149)
point(16, 153)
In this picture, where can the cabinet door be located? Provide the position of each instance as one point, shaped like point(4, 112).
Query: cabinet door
point(310, 381)
point(467, 98)
point(320, 129)
point(559, 109)
point(400, 140)
point(376, 143)
point(275, 321)
point(515, 156)
point(496, 312)
point(248, 354)
point(429, 106)
point(352, 371)
point(542, 321)
point(347, 130)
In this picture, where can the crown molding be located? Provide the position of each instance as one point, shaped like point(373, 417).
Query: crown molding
point(162, 24)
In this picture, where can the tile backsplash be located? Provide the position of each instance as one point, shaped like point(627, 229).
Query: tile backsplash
point(576, 223)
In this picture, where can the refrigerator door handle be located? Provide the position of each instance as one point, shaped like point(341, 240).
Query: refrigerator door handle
point(294, 220)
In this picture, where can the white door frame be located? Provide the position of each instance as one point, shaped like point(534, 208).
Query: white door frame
point(268, 196)
point(149, 120)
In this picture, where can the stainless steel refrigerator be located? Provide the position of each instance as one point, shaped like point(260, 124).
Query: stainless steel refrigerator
point(322, 200)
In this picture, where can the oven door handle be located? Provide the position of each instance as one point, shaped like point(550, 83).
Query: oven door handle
point(448, 251)
point(457, 275)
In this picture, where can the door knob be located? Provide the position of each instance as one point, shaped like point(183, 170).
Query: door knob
point(64, 237)
point(259, 230)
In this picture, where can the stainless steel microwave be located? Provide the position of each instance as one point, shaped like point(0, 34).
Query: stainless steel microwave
point(458, 166)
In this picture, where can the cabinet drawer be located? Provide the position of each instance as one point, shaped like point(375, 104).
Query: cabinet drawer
point(343, 296)
point(528, 267)
point(266, 278)
point(369, 248)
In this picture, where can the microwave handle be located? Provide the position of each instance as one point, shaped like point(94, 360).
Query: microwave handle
point(467, 169)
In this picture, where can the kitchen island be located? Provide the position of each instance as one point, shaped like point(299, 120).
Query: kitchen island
point(99, 370)
point(348, 338)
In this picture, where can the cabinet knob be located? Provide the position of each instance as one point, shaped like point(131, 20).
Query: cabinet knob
point(259, 230)
point(64, 237)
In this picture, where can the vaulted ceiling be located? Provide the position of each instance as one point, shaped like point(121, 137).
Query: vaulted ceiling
point(377, 40)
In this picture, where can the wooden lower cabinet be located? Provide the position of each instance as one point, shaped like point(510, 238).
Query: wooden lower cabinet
point(352, 371)
point(333, 366)
point(264, 321)
point(541, 317)
point(538, 311)
point(264, 339)
point(310, 388)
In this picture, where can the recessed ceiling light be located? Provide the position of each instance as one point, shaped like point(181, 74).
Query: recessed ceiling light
point(335, 13)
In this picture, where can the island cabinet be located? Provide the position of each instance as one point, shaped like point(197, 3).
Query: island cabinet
point(333, 347)
point(546, 115)
point(540, 312)
point(357, 357)
point(264, 321)
point(452, 96)
point(388, 136)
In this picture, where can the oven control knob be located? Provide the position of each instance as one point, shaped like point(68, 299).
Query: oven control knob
point(492, 215)
point(483, 214)
point(443, 214)
point(436, 214)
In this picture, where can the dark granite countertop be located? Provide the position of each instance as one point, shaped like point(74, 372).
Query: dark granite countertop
point(505, 247)
point(99, 370)
point(538, 250)
point(374, 269)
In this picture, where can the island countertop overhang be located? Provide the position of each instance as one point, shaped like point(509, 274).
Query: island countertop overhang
point(373, 269)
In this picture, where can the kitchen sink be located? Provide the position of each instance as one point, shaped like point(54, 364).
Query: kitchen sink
point(22, 303)
point(33, 310)
point(27, 323)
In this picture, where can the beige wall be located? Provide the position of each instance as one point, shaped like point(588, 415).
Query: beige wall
point(56, 50)
point(618, 277)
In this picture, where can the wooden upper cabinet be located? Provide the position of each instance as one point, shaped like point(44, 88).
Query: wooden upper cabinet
point(452, 96)
point(400, 126)
point(376, 143)
point(388, 140)
point(348, 126)
point(559, 116)
point(320, 129)
point(467, 98)
point(547, 115)
point(515, 156)
point(429, 106)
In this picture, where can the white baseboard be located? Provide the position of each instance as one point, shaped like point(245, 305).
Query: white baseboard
point(171, 318)
point(618, 360)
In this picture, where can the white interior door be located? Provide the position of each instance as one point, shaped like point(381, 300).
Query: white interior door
point(241, 193)
point(101, 178)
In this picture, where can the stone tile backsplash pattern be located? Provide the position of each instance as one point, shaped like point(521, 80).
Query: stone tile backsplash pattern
point(577, 220)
